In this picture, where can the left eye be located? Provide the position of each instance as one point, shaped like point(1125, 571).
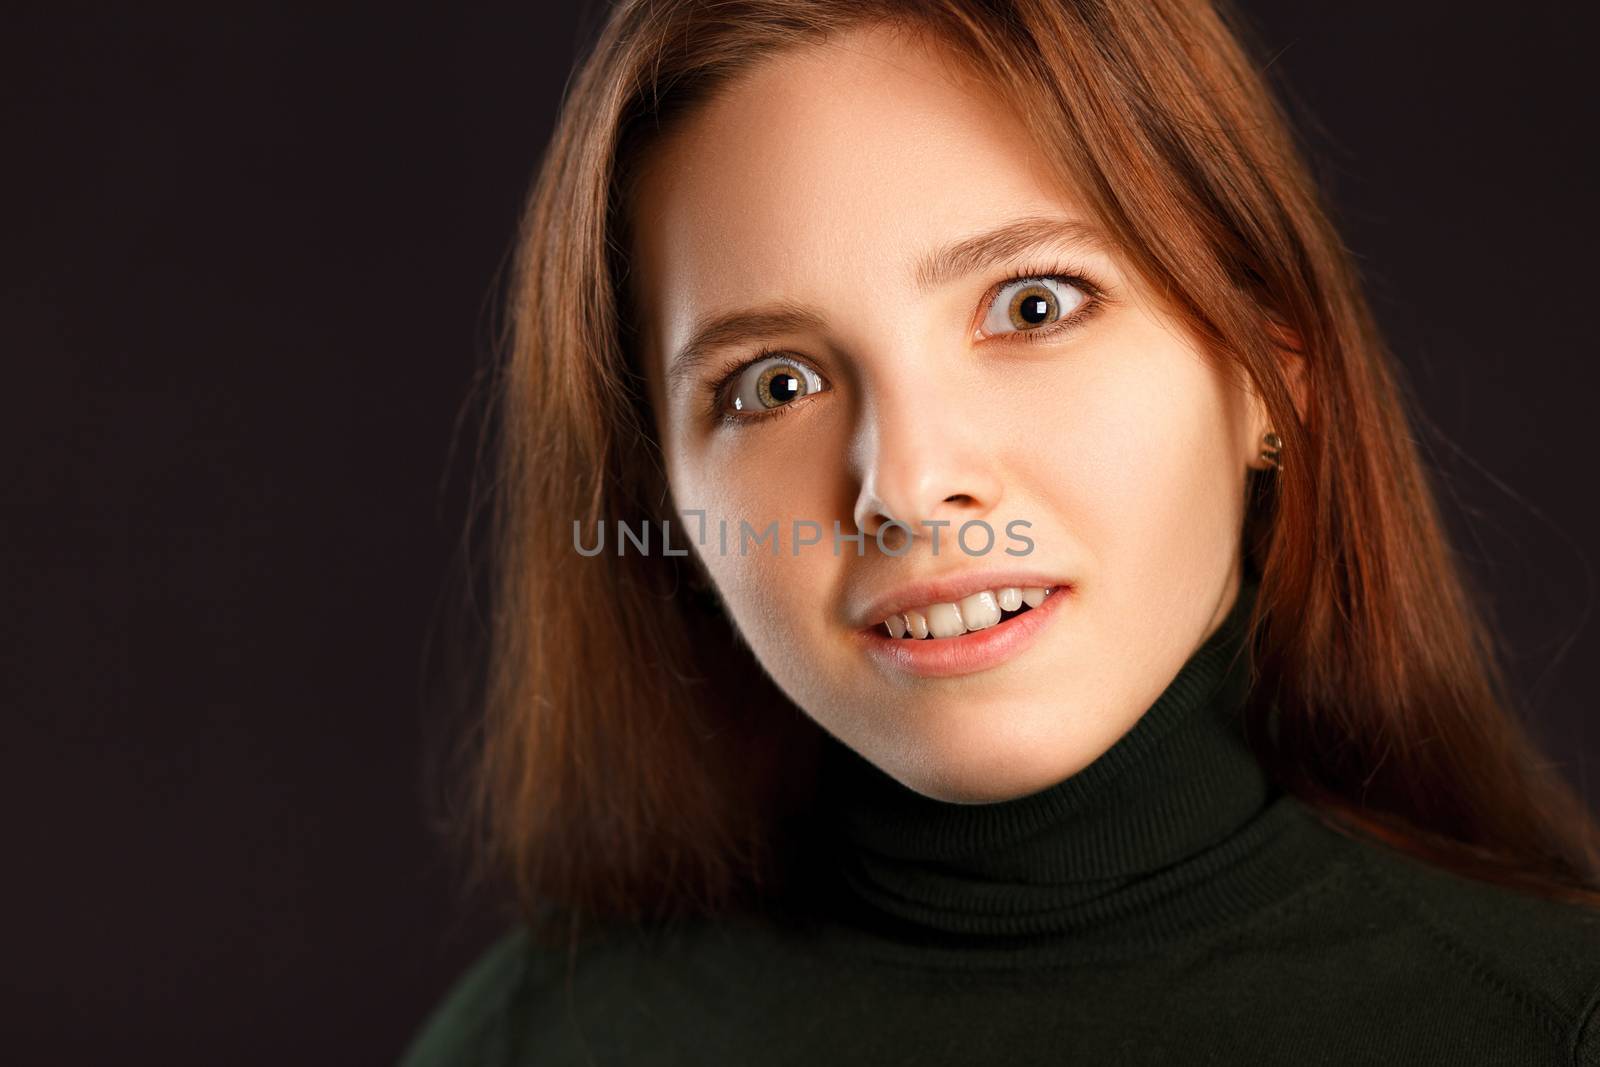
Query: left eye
point(1032, 303)
point(771, 383)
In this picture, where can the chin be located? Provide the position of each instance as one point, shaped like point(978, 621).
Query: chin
point(989, 754)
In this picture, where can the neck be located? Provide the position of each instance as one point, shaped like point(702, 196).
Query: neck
point(1097, 851)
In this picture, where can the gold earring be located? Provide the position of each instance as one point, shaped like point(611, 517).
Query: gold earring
point(1270, 453)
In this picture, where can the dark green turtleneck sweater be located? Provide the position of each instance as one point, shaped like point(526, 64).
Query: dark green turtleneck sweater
point(1166, 904)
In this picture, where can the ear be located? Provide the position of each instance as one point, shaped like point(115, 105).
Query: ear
point(1291, 357)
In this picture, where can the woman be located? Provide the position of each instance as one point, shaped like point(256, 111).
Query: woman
point(1185, 742)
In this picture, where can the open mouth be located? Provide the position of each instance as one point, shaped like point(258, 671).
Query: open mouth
point(983, 610)
point(965, 636)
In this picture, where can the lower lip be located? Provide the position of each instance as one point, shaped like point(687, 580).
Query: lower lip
point(976, 650)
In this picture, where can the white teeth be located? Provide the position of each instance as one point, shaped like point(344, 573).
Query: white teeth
point(944, 620)
point(980, 610)
point(976, 612)
point(918, 623)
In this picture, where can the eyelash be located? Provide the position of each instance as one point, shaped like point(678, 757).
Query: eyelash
point(1094, 301)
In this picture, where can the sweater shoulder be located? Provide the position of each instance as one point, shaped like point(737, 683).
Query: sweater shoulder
point(1540, 953)
point(525, 1000)
point(468, 1025)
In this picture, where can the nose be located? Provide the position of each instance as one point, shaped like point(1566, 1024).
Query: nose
point(924, 457)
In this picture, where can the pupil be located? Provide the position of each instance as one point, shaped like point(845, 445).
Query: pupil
point(1035, 309)
point(784, 387)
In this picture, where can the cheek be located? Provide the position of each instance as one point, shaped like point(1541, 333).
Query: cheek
point(769, 595)
point(768, 600)
point(776, 602)
point(1144, 473)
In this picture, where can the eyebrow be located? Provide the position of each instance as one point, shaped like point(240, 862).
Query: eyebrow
point(954, 261)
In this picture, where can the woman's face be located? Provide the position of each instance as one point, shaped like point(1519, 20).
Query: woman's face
point(909, 320)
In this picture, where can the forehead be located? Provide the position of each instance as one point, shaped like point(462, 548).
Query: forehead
point(823, 168)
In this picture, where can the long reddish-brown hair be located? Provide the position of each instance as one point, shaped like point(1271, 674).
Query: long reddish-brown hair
point(630, 759)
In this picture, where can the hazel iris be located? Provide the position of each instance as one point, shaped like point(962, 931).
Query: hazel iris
point(778, 385)
point(1033, 305)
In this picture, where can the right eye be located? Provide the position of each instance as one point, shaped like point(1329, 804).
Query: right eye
point(1032, 305)
point(768, 383)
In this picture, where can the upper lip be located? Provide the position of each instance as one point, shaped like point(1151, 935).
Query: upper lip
point(948, 590)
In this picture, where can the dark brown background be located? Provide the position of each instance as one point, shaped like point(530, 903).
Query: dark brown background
point(248, 258)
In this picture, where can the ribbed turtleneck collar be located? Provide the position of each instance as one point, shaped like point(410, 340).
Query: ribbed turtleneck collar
point(1150, 837)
